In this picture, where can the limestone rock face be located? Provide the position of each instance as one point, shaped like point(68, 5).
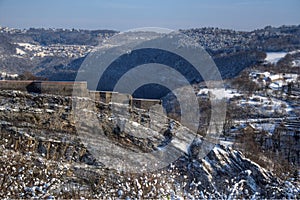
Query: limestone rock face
point(43, 154)
point(227, 170)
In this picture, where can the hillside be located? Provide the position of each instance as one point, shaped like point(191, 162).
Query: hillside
point(57, 53)
point(43, 157)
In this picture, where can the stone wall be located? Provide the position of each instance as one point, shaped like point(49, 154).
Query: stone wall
point(77, 89)
point(64, 88)
point(14, 85)
point(107, 96)
point(145, 104)
point(44, 87)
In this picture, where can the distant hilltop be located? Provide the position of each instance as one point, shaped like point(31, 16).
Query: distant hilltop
point(56, 54)
point(60, 36)
point(63, 36)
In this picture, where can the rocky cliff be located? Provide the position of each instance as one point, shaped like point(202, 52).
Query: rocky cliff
point(44, 155)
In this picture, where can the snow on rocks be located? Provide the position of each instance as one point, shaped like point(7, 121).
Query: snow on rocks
point(222, 173)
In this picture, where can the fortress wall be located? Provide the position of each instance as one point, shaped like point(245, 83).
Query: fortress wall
point(63, 88)
point(104, 97)
point(14, 85)
point(145, 104)
point(79, 89)
point(47, 87)
point(107, 97)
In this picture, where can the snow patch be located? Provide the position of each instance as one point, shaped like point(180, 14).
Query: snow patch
point(274, 57)
point(219, 93)
point(20, 52)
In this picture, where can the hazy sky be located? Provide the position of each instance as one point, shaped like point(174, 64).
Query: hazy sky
point(127, 14)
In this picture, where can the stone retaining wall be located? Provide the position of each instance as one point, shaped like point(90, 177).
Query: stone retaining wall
point(107, 96)
point(145, 104)
point(47, 87)
point(14, 85)
point(77, 89)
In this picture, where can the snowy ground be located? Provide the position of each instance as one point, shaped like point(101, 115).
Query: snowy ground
point(219, 93)
point(266, 104)
point(274, 57)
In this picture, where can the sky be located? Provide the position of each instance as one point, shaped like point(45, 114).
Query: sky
point(122, 15)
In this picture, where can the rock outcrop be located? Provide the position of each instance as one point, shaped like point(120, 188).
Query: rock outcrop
point(44, 155)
